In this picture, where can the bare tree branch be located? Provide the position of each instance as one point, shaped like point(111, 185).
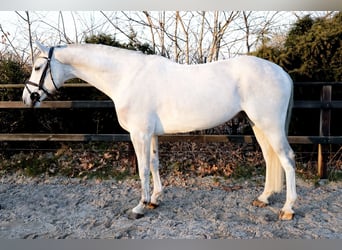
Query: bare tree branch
point(30, 35)
point(68, 40)
point(186, 33)
point(200, 42)
point(9, 42)
point(75, 26)
point(150, 23)
point(218, 31)
point(117, 27)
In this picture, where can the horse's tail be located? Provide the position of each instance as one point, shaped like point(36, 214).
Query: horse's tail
point(276, 179)
point(276, 172)
point(289, 109)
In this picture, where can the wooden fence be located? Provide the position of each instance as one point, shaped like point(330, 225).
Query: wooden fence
point(323, 140)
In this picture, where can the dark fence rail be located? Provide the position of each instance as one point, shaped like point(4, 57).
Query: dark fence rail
point(109, 104)
point(325, 104)
point(170, 138)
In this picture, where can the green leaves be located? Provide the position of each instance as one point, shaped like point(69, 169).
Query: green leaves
point(11, 71)
point(312, 50)
point(133, 44)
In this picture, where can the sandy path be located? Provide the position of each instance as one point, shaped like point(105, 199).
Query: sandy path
point(208, 207)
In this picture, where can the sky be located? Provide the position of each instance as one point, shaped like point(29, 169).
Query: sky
point(47, 27)
point(288, 5)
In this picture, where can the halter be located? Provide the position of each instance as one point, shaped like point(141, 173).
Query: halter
point(35, 96)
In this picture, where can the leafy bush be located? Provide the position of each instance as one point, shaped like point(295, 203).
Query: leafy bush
point(312, 50)
point(11, 71)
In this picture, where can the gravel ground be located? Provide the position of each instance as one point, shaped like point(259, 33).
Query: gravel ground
point(210, 207)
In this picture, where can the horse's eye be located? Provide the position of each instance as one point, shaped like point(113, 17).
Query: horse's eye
point(37, 68)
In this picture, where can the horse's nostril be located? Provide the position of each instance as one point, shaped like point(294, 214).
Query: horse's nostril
point(35, 97)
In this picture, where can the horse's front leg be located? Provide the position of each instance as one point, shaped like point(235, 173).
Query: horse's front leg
point(154, 166)
point(142, 145)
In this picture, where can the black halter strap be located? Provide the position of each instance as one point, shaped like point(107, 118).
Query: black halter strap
point(35, 96)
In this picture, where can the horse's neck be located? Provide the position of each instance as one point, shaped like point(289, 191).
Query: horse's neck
point(101, 67)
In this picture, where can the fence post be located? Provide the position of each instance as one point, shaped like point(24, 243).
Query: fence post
point(324, 130)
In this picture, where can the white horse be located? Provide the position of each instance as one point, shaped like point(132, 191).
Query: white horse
point(154, 95)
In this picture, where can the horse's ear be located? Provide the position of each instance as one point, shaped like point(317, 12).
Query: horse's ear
point(42, 48)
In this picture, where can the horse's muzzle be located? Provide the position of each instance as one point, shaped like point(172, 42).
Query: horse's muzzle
point(35, 97)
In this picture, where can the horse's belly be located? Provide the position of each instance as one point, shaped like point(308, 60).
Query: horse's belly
point(183, 120)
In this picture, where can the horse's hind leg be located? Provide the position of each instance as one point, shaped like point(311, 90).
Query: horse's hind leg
point(286, 157)
point(278, 152)
point(274, 172)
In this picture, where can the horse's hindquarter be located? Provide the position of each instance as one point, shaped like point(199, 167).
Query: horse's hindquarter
point(265, 89)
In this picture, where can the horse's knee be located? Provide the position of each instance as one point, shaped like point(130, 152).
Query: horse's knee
point(154, 163)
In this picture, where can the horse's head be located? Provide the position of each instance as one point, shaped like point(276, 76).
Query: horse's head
point(45, 78)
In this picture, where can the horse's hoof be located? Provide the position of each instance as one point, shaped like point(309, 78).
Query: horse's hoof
point(152, 205)
point(285, 215)
point(134, 216)
point(258, 203)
